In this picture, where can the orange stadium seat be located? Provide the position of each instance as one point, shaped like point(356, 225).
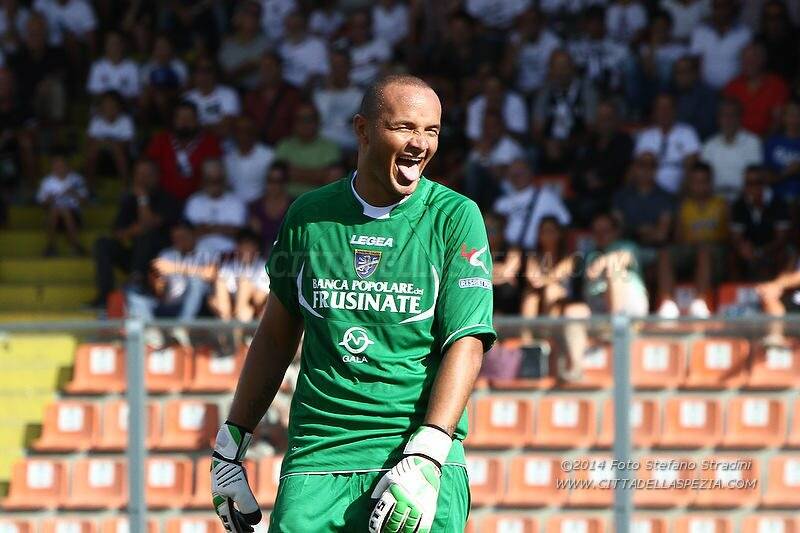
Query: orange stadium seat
point(793, 440)
point(487, 479)
point(67, 426)
point(68, 525)
point(775, 367)
point(119, 524)
point(532, 482)
point(741, 471)
point(597, 471)
point(36, 484)
point(649, 524)
point(16, 526)
point(754, 422)
point(501, 422)
point(734, 294)
point(113, 433)
point(597, 369)
point(702, 523)
point(562, 422)
point(717, 363)
point(783, 482)
point(645, 422)
point(769, 523)
point(664, 471)
point(189, 425)
point(98, 369)
point(657, 363)
point(194, 525)
point(168, 482)
point(505, 523)
point(216, 373)
point(201, 497)
point(691, 422)
point(168, 370)
point(97, 484)
point(575, 523)
point(267, 476)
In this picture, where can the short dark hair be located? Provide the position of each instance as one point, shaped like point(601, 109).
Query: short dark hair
point(372, 102)
point(185, 104)
point(247, 235)
point(702, 166)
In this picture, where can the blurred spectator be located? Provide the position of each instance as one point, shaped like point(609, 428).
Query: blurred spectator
point(761, 94)
point(338, 101)
point(13, 24)
point(700, 237)
point(111, 132)
point(193, 25)
point(601, 59)
point(162, 77)
point(69, 21)
point(217, 104)
point(181, 152)
point(17, 140)
point(695, 101)
point(549, 270)
point(138, 232)
point(114, 71)
point(625, 19)
point(488, 160)
point(368, 53)
point(241, 51)
point(266, 213)
point(528, 51)
point(305, 56)
point(525, 205)
point(326, 19)
point(307, 152)
point(753, 12)
point(759, 226)
point(496, 15)
point(675, 144)
point(461, 52)
point(390, 20)
point(246, 164)
point(273, 16)
point(61, 193)
point(782, 154)
point(686, 15)
point(274, 102)
point(497, 98)
point(731, 151)
point(506, 264)
point(216, 213)
point(778, 35)
point(719, 43)
point(778, 297)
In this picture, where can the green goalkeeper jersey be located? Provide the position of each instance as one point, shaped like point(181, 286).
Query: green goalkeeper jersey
point(381, 299)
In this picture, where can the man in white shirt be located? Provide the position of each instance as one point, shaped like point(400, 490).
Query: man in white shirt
point(601, 59)
point(368, 55)
point(113, 72)
point(495, 96)
point(489, 159)
point(529, 50)
point(390, 20)
point(719, 44)
point(494, 14)
point(676, 145)
point(68, 18)
point(337, 102)
point(686, 15)
point(247, 163)
point(625, 19)
point(273, 14)
point(216, 104)
point(305, 57)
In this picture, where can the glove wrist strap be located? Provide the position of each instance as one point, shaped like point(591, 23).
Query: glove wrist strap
point(431, 442)
point(232, 442)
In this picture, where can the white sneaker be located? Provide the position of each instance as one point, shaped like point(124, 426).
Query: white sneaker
point(669, 310)
point(699, 309)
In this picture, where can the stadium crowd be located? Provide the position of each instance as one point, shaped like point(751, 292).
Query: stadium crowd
point(616, 147)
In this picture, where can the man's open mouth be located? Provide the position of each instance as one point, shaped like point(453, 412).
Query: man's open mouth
point(408, 167)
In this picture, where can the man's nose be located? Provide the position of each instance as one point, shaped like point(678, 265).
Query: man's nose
point(418, 142)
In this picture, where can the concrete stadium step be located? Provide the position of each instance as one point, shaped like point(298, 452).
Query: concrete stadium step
point(31, 217)
point(30, 243)
point(47, 270)
point(37, 297)
point(45, 316)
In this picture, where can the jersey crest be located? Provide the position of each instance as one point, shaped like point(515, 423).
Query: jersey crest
point(366, 262)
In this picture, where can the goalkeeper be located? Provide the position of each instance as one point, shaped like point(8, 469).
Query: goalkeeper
point(389, 276)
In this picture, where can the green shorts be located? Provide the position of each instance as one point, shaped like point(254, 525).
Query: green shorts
point(341, 503)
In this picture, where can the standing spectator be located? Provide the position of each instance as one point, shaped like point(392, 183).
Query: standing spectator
point(778, 35)
point(114, 72)
point(602, 60)
point(528, 51)
point(675, 144)
point(274, 102)
point(731, 151)
point(70, 22)
point(390, 20)
point(625, 19)
point(266, 213)
point(695, 101)
point(111, 132)
point(241, 51)
point(782, 154)
point(246, 164)
point(489, 159)
point(138, 232)
point(368, 53)
point(217, 104)
point(338, 101)
point(216, 214)
point(162, 78)
point(760, 94)
point(305, 57)
point(326, 20)
point(719, 43)
point(13, 23)
point(497, 98)
point(181, 152)
point(273, 16)
point(61, 193)
point(686, 15)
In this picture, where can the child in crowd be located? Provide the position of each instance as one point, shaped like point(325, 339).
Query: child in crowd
point(61, 193)
point(111, 132)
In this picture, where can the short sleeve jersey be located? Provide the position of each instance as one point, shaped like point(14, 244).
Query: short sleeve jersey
point(381, 300)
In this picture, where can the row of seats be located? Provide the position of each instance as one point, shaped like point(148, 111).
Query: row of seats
point(113, 525)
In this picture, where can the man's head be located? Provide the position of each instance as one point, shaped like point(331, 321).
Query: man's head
point(277, 178)
point(205, 75)
point(493, 127)
point(594, 22)
point(185, 123)
point(59, 162)
point(791, 118)
point(306, 122)
point(661, 24)
point(520, 174)
point(700, 181)
point(730, 116)
point(561, 69)
point(529, 24)
point(605, 229)
point(214, 182)
point(723, 12)
point(685, 72)
point(664, 111)
point(358, 27)
point(461, 28)
point(644, 171)
point(114, 47)
point(145, 175)
point(754, 184)
point(295, 25)
point(244, 133)
point(36, 32)
point(270, 69)
point(182, 236)
point(753, 59)
point(340, 67)
point(162, 49)
point(495, 93)
point(247, 245)
point(247, 17)
point(776, 21)
point(398, 133)
point(606, 118)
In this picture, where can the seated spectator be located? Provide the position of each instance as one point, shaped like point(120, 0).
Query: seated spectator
point(17, 135)
point(495, 97)
point(700, 237)
point(246, 164)
point(528, 51)
point(216, 214)
point(368, 54)
point(326, 20)
point(760, 226)
point(138, 232)
point(111, 133)
point(390, 19)
point(273, 103)
point(162, 79)
point(305, 57)
point(778, 297)
point(625, 20)
point(488, 161)
point(460, 53)
point(338, 100)
point(761, 94)
point(61, 194)
point(266, 213)
point(181, 152)
point(307, 152)
point(217, 104)
point(273, 18)
point(719, 43)
point(686, 15)
point(675, 144)
point(778, 32)
point(506, 265)
point(71, 23)
point(731, 151)
point(601, 59)
point(242, 50)
point(114, 72)
point(695, 102)
point(13, 23)
point(782, 154)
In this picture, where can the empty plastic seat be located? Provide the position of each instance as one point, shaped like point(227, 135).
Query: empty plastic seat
point(754, 422)
point(594, 475)
point(68, 525)
point(691, 422)
point(645, 422)
point(657, 363)
point(67, 426)
point(201, 497)
point(505, 523)
point(214, 372)
point(195, 525)
point(793, 440)
point(783, 482)
point(774, 367)
point(268, 476)
point(668, 475)
point(649, 524)
point(562, 422)
point(168, 370)
point(36, 484)
point(98, 369)
point(717, 363)
point(16, 526)
point(189, 425)
point(501, 422)
point(486, 479)
point(532, 482)
point(770, 523)
point(597, 367)
point(113, 432)
point(168, 482)
point(731, 481)
point(97, 484)
point(120, 524)
point(702, 524)
point(575, 523)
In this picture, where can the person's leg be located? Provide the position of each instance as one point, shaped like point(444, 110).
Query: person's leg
point(220, 300)
point(192, 299)
point(140, 305)
point(120, 157)
point(576, 338)
point(90, 166)
point(452, 507)
point(244, 310)
point(108, 253)
point(529, 308)
point(51, 229)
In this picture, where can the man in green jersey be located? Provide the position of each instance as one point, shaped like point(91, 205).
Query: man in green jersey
point(389, 276)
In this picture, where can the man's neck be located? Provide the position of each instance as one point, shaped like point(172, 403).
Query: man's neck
point(371, 192)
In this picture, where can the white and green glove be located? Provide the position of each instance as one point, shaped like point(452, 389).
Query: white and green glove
point(229, 484)
point(408, 492)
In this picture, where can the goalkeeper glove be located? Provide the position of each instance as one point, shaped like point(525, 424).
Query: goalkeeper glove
point(229, 480)
point(408, 492)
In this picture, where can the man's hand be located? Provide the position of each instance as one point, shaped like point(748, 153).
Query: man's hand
point(229, 481)
point(407, 494)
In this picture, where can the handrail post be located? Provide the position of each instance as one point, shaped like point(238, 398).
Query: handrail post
point(623, 400)
point(137, 422)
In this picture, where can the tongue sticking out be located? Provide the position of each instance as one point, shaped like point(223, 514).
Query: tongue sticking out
point(409, 171)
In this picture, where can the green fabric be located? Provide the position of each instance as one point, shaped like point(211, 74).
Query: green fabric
point(319, 153)
point(381, 300)
point(342, 503)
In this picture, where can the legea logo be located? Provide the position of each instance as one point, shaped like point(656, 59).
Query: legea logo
point(356, 340)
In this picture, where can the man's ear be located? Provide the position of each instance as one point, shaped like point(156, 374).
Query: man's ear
point(360, 125)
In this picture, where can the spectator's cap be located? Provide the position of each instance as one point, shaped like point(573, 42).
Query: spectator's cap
point(164, 78)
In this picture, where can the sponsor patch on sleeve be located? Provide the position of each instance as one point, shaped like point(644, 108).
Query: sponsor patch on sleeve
point(467, 283)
